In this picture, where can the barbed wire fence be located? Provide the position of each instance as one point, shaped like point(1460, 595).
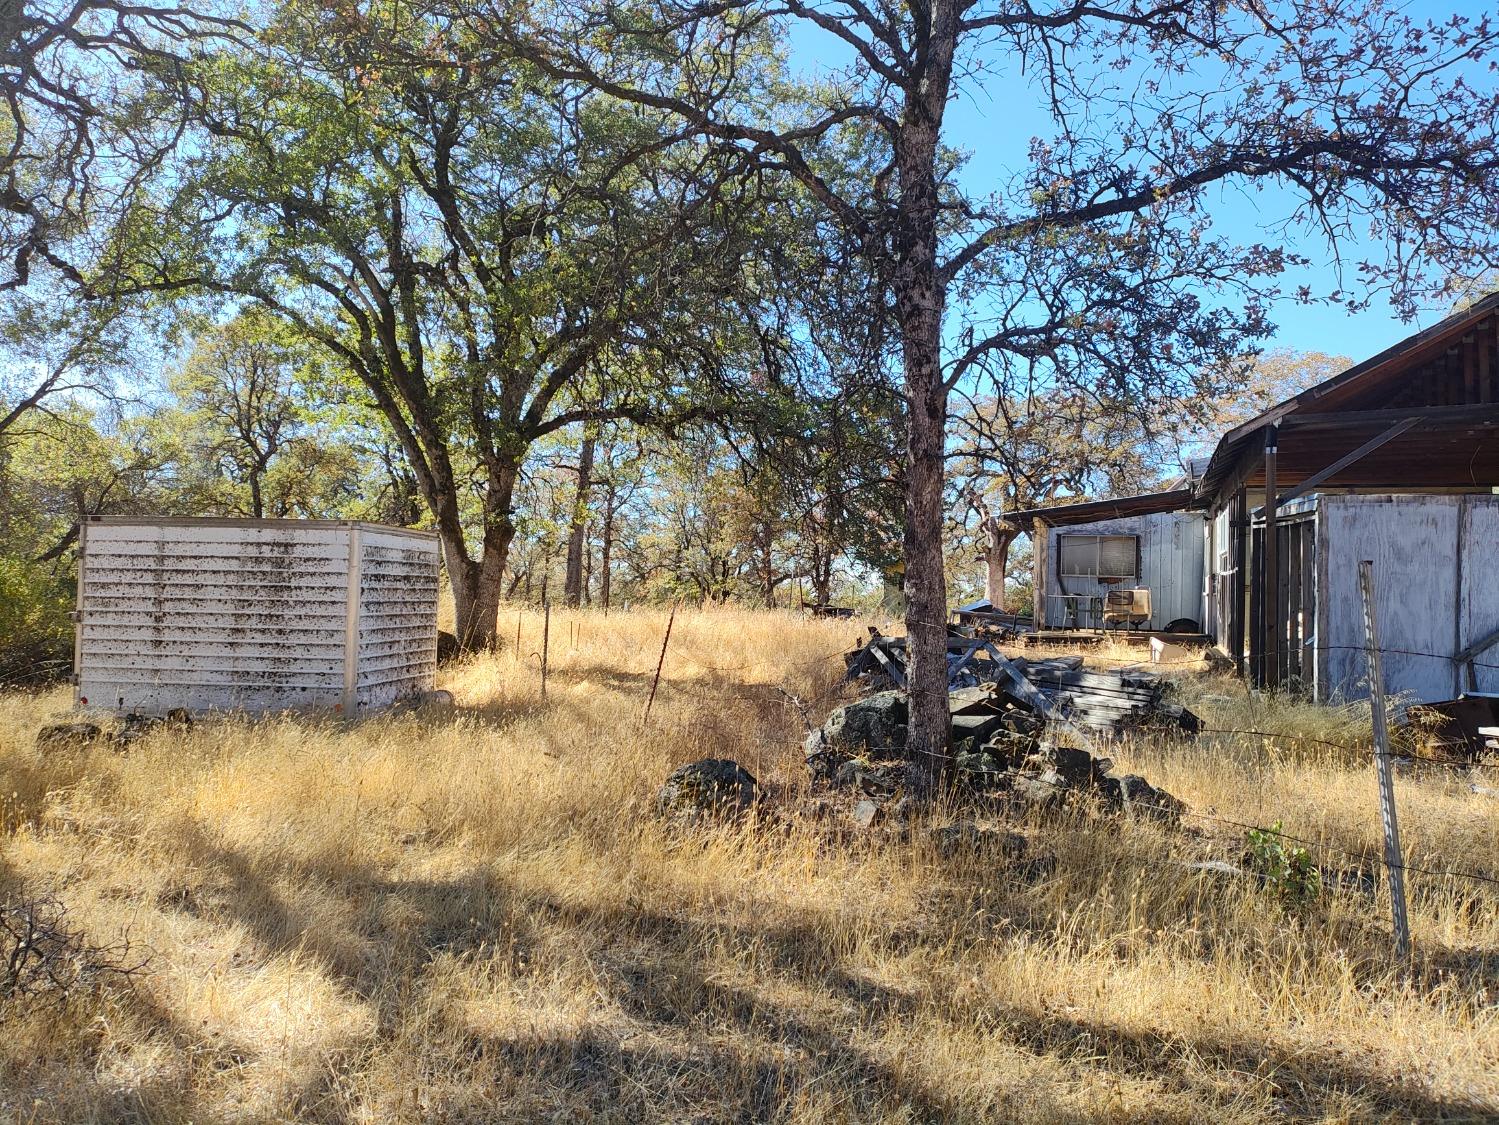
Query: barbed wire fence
point(50, 672)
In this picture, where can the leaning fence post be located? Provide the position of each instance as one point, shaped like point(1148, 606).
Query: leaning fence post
point(661, 660)
point(1393, 859)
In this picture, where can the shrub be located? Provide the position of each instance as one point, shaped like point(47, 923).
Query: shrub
point(36, 634)
point(44, 959)
point(1285, 867)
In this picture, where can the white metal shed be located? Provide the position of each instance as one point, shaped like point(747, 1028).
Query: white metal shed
point(253, 615)
point(1160, 551)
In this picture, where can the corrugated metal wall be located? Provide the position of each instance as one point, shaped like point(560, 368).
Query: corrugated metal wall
point(1435, 583)
point(253, 615)
point(1171, 556)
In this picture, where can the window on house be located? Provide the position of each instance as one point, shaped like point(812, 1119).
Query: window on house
point(1099, 556)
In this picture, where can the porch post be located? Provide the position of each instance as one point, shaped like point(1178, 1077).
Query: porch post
point(1238, 530)
point(1271, 565)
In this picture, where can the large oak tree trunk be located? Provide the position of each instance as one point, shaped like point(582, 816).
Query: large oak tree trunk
point(998, 536)
point(920, 296)
point(257, 501)
point(478, 583)
point(925, 578)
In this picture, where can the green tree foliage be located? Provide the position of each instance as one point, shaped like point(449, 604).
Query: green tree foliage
point(493, 255)
point(65, 465)
point(243, 436)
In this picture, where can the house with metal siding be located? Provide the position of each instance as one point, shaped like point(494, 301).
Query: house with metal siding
point(1083, 551)
point(1396, 461)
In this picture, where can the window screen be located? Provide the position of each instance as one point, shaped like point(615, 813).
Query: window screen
point(1098, 556)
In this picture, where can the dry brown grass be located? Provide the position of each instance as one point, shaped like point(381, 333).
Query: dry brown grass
point(476, 917)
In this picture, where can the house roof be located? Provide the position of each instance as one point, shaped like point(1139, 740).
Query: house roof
point(1412, 375)
point(1144, 504)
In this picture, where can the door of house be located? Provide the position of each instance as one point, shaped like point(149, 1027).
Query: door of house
point(1296, 583)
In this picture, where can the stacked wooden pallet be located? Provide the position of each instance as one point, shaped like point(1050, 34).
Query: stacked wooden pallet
point(1110, 702)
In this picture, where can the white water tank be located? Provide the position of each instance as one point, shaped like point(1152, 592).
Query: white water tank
point(253, 615)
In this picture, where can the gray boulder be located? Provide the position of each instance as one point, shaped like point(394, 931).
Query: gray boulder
point(1038, 789)
point(867, 814)
point(134, 727)
point(1137, 797)
point(712, 789)
point(875, 724)
point(870, 779)
point(68, 736)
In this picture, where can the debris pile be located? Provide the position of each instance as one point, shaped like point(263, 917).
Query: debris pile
point(1110, 703)
point(1002, 751)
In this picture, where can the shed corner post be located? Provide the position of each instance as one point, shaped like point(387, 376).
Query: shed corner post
point(351, 627)
point(78, 610)
point(1039, 543)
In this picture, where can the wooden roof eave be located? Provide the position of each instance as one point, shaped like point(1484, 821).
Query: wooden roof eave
point(1416, 348)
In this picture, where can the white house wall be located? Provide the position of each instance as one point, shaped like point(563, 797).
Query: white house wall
point(1171, 557)
point(1435, 589)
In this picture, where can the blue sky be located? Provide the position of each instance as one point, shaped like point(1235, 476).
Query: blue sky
point(994, 120)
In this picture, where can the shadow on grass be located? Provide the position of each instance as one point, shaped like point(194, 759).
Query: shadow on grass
point(699, 1043)
point(690, 1037)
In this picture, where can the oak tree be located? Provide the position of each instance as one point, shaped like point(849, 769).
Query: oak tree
point(1093, 258)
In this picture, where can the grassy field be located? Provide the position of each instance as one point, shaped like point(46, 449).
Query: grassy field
point(475, 916)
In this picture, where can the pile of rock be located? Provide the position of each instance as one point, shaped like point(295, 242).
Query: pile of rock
point(1001, 749)
point(131, 729)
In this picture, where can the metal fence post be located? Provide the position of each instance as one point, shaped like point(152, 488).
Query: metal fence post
point(660, 662)
point(1384, 768)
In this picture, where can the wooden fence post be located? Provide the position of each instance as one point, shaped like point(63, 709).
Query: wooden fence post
point(1384, 768)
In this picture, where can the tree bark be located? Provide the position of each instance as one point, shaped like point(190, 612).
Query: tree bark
point(572, 592)
point(920, 298)
point(768, 580)
point(925, 578)
point(998, 536)
point(477, 583)
point(606, 549)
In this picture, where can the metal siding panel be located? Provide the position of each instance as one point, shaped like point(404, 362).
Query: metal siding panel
point(1479, 611)
point(1170, 563)
point(225, 614)
point(211, 616)
point(397, 638)
point(1412, 540)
